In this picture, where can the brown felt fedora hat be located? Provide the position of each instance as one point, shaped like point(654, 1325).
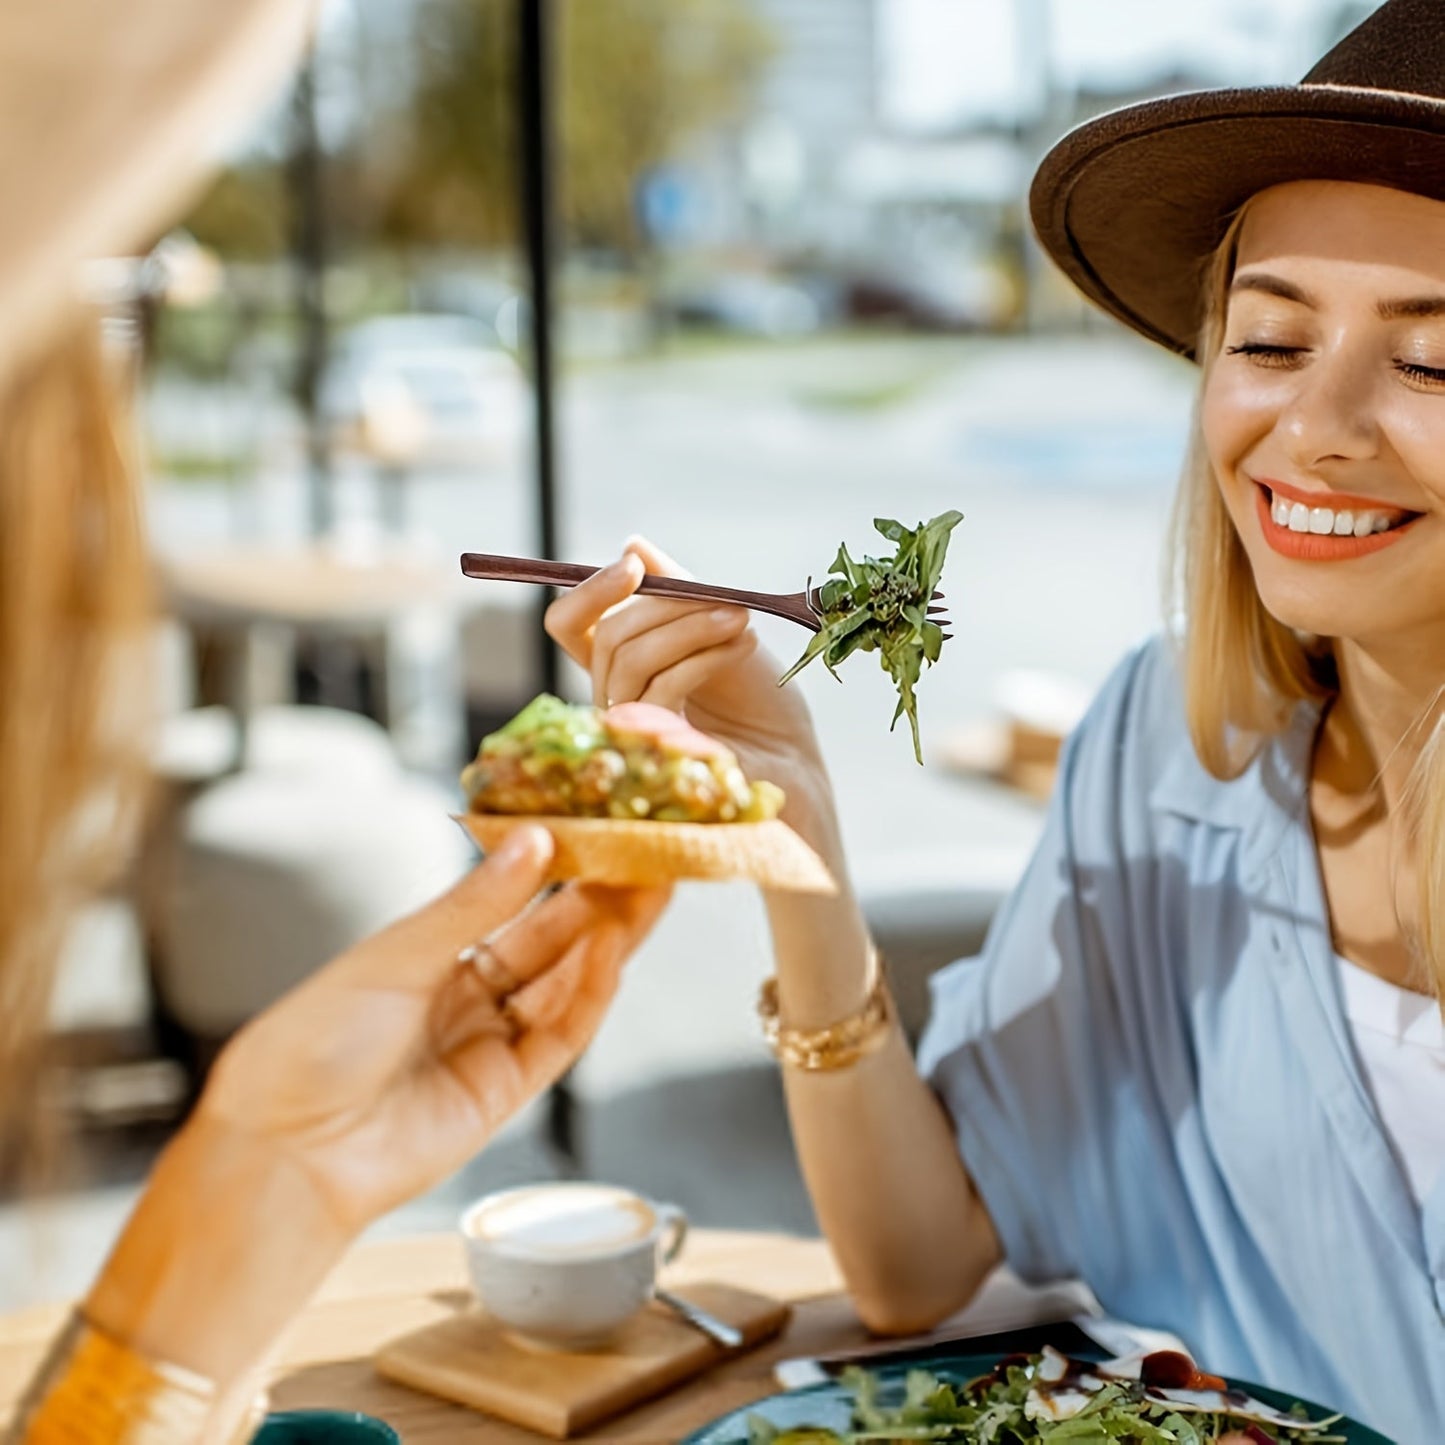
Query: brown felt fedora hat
point(1132, 204)
point(112, 112)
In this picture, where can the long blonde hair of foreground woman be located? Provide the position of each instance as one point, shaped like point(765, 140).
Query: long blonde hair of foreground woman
point(73, 605)
point(1244, 671)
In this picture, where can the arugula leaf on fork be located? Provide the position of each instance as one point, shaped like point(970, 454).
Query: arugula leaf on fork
point(881, 605)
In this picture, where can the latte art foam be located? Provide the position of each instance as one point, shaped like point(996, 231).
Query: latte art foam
point(562, 1221)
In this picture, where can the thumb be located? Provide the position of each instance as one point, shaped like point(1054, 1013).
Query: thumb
point(419, 951)
point(654, 559)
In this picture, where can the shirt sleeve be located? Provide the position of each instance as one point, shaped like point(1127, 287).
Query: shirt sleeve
point(1034, 1046)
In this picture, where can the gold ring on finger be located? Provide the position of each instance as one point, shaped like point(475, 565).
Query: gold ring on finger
point(498, 979)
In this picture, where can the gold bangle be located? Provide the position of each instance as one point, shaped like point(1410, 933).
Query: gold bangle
point(837, 1045)
point(94, 1390)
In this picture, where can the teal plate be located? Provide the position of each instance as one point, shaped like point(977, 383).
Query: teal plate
point(829, 1406)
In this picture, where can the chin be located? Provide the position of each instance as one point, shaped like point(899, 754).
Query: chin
point(1308, 609)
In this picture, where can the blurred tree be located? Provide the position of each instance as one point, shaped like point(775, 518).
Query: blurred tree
point(447, 174)
point(637, 80)
point(431, 157)
point(245, 214)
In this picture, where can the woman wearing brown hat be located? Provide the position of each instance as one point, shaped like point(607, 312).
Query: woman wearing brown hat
point(387, 1069)
point(1200, 1064)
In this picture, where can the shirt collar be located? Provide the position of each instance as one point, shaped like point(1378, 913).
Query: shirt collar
point(1262, 802)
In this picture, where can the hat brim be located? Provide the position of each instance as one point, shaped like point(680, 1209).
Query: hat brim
point(111, 117)
point(1132, 205)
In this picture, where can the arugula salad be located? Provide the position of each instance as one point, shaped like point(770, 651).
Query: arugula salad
point(880, 605)
point(1036, 1397)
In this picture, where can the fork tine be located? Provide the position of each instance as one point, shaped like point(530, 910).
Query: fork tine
point(947, 636)
point(937, 597)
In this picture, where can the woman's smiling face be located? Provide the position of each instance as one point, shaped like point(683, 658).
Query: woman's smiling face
point(1324, 412)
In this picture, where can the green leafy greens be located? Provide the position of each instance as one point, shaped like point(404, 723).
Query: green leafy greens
point(991, 1412)
point(881, 605)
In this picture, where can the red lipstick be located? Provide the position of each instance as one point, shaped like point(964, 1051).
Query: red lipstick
point(1311, 546)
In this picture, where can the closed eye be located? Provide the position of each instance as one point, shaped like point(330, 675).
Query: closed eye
point(1429, 375)
point(1266, 355)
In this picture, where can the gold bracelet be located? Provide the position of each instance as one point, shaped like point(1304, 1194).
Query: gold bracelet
point(94, 1390)
point(837, 1045)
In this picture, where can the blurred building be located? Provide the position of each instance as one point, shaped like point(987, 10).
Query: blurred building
point(818, 101)
point(777, 180)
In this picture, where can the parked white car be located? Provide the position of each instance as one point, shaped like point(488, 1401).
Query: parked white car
point(420, 389)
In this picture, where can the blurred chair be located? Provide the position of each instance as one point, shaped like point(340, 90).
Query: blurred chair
point(253, 878)
point(203, 744)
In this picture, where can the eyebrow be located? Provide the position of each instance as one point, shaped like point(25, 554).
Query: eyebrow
point(1273, 286)
point(1411, 306)
point(1406, 307)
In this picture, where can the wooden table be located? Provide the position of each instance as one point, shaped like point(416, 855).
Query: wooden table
point(248, 604)
point(388, 1288)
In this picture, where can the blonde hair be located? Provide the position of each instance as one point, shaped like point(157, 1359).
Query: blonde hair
point(1244, 671)
point(74, 600)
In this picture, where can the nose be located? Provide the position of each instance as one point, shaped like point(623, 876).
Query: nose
point(1330, 415)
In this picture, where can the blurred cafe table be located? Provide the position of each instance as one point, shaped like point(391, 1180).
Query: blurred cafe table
point(246, 606)
point(388, 1288)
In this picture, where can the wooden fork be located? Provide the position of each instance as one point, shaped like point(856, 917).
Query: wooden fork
point(805, 607)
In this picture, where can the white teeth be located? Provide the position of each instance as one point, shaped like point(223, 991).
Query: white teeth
point(1325, 521)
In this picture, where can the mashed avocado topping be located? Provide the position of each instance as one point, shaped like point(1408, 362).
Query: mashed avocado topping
point(635, 761)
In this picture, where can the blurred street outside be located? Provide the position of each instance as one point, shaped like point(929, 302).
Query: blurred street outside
point(750, 465)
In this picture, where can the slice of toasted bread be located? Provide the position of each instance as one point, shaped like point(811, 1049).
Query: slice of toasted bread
point(606, 850)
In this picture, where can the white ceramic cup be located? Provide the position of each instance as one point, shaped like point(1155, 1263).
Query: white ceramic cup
point(564, 1266)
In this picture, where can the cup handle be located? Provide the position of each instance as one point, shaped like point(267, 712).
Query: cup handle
point(672, 1232)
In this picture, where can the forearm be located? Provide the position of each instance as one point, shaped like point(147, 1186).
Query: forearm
point(228, 1242)
point(876, 1148)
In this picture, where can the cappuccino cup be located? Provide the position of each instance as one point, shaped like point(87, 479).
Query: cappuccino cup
point(564, 1266)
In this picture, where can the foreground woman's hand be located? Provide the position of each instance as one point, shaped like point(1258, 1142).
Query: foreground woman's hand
point(373, 1080)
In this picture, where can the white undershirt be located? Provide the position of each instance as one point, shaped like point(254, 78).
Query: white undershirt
point(1400, 1043)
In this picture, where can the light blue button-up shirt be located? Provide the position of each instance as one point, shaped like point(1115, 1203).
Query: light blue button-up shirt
point(1153, 1082)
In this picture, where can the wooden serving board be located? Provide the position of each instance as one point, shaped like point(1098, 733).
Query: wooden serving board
point(468, 1359)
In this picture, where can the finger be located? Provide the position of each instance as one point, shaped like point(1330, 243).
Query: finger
point(420, 950)
point(629, 917)
point(655, 559)
point(673, 686)
point(530, 945)
point(626, 656)
point(571, 618)
point(620, 626)
point(589, 982)
point(501, 1077)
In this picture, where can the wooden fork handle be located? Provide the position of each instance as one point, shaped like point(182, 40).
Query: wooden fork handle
point(493, 567)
